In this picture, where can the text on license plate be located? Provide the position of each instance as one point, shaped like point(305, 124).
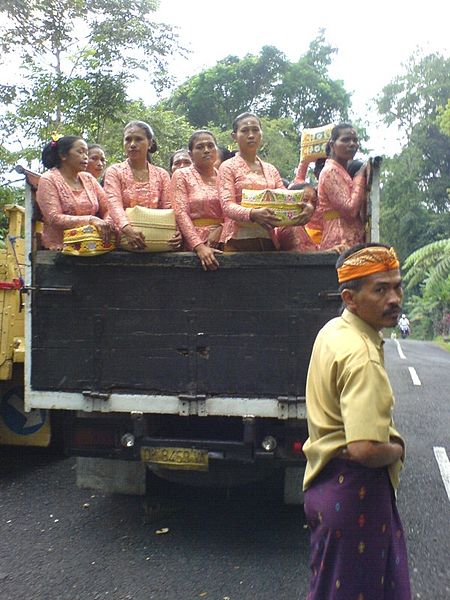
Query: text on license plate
point(176, 458)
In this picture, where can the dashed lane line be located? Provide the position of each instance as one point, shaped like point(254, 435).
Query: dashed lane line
point(414, 376)
point(399, 350)
point(444, 467)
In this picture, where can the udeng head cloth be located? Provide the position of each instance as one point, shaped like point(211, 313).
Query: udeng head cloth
point(367, 261)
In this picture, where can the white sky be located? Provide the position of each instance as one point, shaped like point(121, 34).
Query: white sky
point(373, 39)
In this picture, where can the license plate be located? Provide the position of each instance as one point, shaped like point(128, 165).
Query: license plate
point(176, 458)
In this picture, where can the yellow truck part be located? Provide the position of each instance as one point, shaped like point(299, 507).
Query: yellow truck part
point(17, 427)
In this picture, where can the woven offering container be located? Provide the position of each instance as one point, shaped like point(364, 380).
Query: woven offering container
point(86, 241)
point(157, 224)
point(314, 141)
point(285, 203)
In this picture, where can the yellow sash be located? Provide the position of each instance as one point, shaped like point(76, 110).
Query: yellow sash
point(206, 222)
point(330, 215)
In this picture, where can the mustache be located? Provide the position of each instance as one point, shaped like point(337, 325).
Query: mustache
point(393, 311)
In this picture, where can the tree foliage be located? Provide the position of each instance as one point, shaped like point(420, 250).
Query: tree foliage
point(427, 273)
point(78, 57)
point(415, 202)
point(443, 119)
point(267, 84)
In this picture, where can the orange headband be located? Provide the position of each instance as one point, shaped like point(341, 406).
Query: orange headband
point(367, 261)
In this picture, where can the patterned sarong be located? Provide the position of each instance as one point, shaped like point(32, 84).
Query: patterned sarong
point(358, 550)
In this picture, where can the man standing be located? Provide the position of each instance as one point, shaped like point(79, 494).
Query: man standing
point(354, 453)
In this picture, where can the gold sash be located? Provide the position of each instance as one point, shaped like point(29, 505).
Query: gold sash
point(206, 222)
point(331, 215)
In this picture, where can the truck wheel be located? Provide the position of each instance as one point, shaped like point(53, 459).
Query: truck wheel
point(293, 485)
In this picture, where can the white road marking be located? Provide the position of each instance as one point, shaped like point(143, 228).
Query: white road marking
point(399, 350)
point(444, 467)
point(414, 376)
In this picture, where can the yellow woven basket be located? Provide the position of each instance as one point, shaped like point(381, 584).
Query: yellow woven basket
point(86, 241)
point(157, 224)
point(314, 142)
point(285, 203)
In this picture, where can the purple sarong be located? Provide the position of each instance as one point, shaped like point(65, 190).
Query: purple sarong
point(358, 550)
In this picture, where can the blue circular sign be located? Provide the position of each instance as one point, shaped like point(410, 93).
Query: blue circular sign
point(14, 416)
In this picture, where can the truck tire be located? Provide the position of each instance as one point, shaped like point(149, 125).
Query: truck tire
point(293, 485)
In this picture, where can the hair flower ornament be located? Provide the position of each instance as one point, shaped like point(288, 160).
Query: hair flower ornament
point(55, 137)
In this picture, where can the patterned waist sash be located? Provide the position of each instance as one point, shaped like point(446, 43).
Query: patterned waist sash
point(331, 215)
point(206, 222)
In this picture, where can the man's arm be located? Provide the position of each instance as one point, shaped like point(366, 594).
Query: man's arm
point(374, 454)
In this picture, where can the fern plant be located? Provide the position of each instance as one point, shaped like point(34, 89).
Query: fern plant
point(429, 266)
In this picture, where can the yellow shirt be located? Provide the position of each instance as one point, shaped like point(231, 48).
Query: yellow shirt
point(348, 394)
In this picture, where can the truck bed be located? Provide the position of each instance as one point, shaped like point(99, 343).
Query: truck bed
point(158, 324)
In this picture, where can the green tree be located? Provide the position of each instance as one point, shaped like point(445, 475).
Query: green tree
point(233, 85)
point(415, 202)
point(427, 276)
point(307, 94)
point(78, 56)
point(267, 84)
point(443, 119)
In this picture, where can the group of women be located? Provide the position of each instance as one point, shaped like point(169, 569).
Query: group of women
point(204, 193)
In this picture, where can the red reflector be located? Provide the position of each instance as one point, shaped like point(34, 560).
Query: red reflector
point(93, 438)
point(297, 447)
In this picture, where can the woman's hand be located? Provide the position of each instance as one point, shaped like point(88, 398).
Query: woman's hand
point(207, 257)
point(175, 241)
point(103, 228)
point(305, 215)
point(135, 238)
point(214, 237)
point(265, 217)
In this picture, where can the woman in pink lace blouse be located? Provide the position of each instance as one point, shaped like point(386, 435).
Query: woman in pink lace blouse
point(247, 229)
point(179, 159)
point(67, 196)
point(97, 161)
point(341, 198)
point(136, 182)
point(195, 200)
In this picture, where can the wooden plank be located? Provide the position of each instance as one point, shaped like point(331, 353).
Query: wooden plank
point(158, 323)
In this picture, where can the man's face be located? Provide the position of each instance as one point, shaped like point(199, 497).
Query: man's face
point(378, 302)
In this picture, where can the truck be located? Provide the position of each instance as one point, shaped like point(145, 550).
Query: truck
point(152, 364)
point(17, 427)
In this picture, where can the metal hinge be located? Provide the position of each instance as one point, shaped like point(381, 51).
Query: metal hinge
point(291, 407)
point(192, 405)
point(95, 395)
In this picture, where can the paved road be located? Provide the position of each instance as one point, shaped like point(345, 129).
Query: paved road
point(61, 543)
point(422, 414)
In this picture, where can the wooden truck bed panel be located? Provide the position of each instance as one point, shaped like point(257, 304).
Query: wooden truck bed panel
point(159, 324)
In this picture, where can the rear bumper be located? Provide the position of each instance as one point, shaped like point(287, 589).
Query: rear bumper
point(224, 439)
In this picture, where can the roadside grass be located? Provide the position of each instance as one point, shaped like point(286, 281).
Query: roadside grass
point(442, 342)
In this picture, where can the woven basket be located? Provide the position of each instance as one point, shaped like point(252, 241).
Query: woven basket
point(86, 241)
point(314, 142)
point(157, 224)
point(285, 203)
